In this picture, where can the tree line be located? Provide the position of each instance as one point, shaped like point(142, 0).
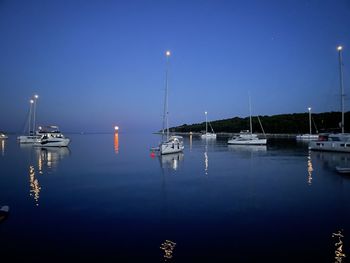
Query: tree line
point(297, 123)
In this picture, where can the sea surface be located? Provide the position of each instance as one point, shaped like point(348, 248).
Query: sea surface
point(107, 198)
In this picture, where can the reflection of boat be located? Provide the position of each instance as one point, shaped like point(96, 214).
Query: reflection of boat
point(172, 144)
point(171, 160)
point(342, 170)
point(248, 137)
point(52, 137)
point(335, 142)
point(51, 156)
point(332, 159)
point(208, 135)
point(252, 148)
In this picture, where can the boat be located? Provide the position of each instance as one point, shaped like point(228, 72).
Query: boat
point(335, 142)
point(32, 136)
point(208, 135)
point(172, 144)
point(4, 211)
point(3, 136)
point(52, 137)
point(247, 137)
point(309, 136)
point(342, 170)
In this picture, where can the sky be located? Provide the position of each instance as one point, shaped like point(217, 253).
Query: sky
point(96, 64)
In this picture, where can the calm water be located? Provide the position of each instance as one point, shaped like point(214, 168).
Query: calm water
point(107, 199)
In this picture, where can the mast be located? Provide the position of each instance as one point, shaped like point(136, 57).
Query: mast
point(30, 116)
point(309, 119)
point(206, 123)
point(250, 116)
point(342, 95)
point(34, 112)
point(165, 114)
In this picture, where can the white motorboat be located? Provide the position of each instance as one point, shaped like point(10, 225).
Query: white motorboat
point(208, 135)
point(3, 136)
point(52, 137)
point(339, 142)
point(32, 137)
point(248, 137)
point(172, 144)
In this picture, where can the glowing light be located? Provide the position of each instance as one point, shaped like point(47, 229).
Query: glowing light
point(36, 96)
point(205, 112)
point(167, 53)
point(309, 108)
point(31, 101)
point(339, 48)
point(116, 128)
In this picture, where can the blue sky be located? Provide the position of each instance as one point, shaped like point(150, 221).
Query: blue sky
point(95, 64)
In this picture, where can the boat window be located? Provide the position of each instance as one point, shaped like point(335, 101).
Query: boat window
point(342, 145)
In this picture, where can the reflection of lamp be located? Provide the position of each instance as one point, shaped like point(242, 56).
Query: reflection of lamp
point(116, 143)
point(309, 169)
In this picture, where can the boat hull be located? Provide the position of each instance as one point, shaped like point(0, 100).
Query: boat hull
point(307, 137)
point(330, 146)
point(55, 143)
point(168, 148)
point(29, 139)
point(208, 136)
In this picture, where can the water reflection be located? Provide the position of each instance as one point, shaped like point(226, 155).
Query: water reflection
point(2, 147)
point(309, 169)
point(339, 254)
point(168, 248)
point(49, 158)
point(191, 142)
point(116, 143)
point(171, 161)
point(247, 150)
point(206, 160)
point(34, 185)
point(332, 159)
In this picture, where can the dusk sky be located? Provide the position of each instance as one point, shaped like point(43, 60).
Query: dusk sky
point(95, 64)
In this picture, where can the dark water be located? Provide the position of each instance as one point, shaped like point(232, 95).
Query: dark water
point(106, 199)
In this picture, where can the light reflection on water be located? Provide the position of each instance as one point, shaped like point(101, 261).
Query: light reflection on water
point(252, 200)
point(339, 253)
point(2, 147)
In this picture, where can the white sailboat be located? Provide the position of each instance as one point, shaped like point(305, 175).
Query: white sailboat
point(310, 136)
point(339, 142)
point(172, 144)
point(32, 136)
point(247, 137)
point(208, 135)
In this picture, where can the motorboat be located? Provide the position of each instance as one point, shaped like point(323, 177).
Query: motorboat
point(247, 138)
point(3, 136)
point(52, 137)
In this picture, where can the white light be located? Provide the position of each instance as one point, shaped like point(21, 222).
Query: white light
point(339, 48)
point(167, 53)
point(31, 101)
point(309, 108)
point(36, 96)
point(116, 128)
point(206, 112)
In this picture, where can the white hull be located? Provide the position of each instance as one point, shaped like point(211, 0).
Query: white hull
point(208, 136)
point(167, 148)
point(330, 146)
point(239, 141)
point(3, 136)
point(54, 142)
point(28, 139)
point(307, 137)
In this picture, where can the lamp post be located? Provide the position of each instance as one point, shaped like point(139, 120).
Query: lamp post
point(309, 119)
point(340, 48)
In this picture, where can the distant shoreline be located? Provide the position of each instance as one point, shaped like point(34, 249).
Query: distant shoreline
point(230, 134)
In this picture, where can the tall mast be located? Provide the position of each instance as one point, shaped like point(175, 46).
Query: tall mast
point(206, 123)
point(30, 116)
point(309, 109)
point(165, 115)
point(250, 116)
point(34, 112)
point(342, 95)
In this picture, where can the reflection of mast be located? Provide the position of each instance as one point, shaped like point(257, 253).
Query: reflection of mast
point(309, 169)
point(190, 141)
point(116, 143)
point(3, 147)
point(34, 185)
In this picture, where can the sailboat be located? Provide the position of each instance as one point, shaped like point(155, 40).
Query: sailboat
point(208, 135)
point(247, 137)
point(337, 142)
point(310, 136)
point(32, 137)
point(171, 144)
